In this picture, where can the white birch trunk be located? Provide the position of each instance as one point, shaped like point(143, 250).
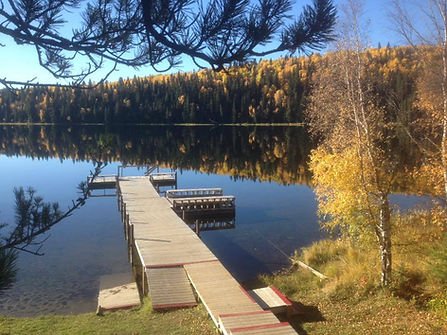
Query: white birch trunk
point(384, 232)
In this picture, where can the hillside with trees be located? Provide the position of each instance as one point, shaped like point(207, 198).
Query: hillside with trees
point(265, 92)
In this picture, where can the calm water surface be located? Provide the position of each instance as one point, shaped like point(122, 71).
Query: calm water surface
point(264, 168)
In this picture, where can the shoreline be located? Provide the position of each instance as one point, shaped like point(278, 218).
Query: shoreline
point(25, 124)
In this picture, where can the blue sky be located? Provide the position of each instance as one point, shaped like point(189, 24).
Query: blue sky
point(20, 62)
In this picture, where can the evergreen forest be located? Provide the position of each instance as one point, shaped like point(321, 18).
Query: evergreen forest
point(271, 91)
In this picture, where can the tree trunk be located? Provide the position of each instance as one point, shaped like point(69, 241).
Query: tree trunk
point(444, 104)
point(384, 232)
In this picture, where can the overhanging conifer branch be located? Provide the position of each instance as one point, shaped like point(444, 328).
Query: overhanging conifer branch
point(151, 32)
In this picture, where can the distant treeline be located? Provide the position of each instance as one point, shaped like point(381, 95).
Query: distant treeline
point(264, 92)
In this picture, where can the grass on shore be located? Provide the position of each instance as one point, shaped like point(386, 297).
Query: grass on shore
point(138, 321)
point(352, 302)
point(378, 313)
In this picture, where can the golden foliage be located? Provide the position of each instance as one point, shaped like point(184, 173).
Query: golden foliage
point(341, 191)
point(428, 178)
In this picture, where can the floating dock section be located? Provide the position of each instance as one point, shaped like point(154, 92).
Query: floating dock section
point(202, 201)
point(163, 178)
point(101, 182)
point(175, 267)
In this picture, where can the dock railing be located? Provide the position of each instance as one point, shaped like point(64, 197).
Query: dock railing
point(204, 205)
point(193, 192)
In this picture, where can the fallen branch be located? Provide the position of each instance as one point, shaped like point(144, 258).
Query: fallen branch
point(307, 267)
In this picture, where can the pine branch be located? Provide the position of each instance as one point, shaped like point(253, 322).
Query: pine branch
point(34, 217)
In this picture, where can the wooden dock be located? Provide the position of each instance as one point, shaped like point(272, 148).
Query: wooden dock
point(175, 265)
point(163, 178)
point(206, 205)
point(102, 182)
point(270, 298)
point(194, 193)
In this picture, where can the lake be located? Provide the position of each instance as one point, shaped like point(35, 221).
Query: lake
point(263, 167)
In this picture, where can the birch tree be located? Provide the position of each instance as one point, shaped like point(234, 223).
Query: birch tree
point(352, 169)
point(423, 25)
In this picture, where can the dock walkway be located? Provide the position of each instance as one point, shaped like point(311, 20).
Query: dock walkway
point(175, 265)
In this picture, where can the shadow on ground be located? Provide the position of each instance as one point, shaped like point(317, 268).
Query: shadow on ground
point(304, 314)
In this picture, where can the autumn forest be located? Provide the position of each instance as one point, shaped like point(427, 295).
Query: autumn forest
point(266, 92)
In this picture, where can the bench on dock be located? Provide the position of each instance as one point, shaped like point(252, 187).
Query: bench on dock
point(193, 193)
point(204, 204)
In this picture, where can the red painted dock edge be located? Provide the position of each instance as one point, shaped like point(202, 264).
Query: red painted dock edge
point(248, 295)
point(169, 306)
point(269, 326)
point(178, 265)
point(242, 313)
point(281, 296)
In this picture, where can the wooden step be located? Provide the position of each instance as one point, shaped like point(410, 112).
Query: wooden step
point(170, 288)
point(283, 328)
point(245, 319)
point(270, 298)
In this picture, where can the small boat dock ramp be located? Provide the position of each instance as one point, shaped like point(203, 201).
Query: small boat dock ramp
point(176, 269)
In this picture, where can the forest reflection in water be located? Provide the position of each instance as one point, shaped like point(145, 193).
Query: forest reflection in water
point(264, 167)
point(257, 153)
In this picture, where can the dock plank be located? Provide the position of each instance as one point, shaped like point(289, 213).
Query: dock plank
point(282, 328)
point(170, 288)
point(218, 290)
point(249, 319)
point(270, 298)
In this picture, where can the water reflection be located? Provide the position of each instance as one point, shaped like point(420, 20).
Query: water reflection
point(33, 218)
point(265, 168)
point(8, 270)
point(211, 222)
point(264, 153)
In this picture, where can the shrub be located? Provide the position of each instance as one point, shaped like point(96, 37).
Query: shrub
point(438, 261)
point(409, 283)
point(439, 305)
point(323, 252)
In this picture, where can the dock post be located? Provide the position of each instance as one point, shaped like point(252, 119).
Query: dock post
point(126, 224)
point(143, 281)
point(130, 244)
point(118, 193)
point(197, 228)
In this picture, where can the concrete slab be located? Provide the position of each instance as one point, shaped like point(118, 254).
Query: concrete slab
point(117, 291)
